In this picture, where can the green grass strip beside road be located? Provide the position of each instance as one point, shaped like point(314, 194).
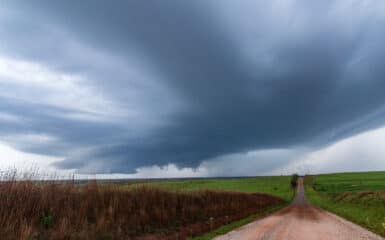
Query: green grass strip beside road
point(234, 225)
point(371, 217)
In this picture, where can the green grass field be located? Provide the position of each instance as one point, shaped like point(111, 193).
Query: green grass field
point(359, 197)
point(276, 185)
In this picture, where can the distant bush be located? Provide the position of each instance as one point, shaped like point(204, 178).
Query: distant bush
point(293, 181)
point(57, 210)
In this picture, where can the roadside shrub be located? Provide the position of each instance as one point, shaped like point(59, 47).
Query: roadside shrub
point(293, 181)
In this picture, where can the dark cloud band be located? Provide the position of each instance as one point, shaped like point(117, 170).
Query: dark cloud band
point(306, 82)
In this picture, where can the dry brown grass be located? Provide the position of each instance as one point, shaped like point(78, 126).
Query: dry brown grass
point(342, 196)
point(57, 210)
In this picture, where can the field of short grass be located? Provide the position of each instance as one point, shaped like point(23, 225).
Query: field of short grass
point(359, 197)
point(275, 185)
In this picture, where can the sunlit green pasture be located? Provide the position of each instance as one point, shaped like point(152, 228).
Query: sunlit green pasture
point(275, 185)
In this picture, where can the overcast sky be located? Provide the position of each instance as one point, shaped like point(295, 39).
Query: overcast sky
point(192, 88)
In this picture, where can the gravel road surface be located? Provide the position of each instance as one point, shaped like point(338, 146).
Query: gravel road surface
point(300, 221)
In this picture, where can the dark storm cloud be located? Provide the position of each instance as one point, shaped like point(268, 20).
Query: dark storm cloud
point(304, 80)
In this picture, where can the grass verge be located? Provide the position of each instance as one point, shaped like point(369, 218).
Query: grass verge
point(354, 196)
point(234, 225)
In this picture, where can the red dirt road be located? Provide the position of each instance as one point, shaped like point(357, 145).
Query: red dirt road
point(300, 221)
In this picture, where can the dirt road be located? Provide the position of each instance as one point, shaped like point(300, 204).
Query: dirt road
point(300, 221)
